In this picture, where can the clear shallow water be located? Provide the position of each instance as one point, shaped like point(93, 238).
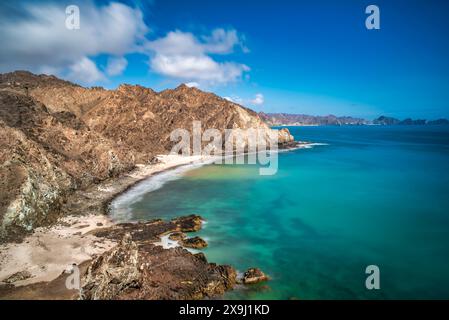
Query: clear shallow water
point(373, 195)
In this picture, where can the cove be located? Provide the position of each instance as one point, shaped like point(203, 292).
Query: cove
point(365, 195)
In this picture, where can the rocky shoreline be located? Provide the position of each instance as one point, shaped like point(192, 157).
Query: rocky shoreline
point(138, 268)
point(117, 261)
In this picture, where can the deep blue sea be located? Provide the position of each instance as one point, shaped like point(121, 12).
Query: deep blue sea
point(369, 195)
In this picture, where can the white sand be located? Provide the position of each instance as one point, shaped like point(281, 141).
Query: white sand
point(49, 251)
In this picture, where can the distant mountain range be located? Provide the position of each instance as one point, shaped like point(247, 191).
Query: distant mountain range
point(274, 119)
point(382, 120)
point(279, 119)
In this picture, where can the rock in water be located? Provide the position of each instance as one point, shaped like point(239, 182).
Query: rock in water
point(177, 236)
point(189, 223)
point(195, 243)
point(254, 275)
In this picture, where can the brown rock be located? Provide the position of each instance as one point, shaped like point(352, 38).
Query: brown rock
point(132, 271)
point(150, 232)
point(195, 243)
point(189, 223)
point(177, 236)
point(254, 275)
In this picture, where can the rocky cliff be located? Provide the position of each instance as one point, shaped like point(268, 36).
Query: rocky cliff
point(57, 137)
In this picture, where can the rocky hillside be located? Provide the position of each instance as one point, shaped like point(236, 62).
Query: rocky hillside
point(57, 137)
point(44, 156)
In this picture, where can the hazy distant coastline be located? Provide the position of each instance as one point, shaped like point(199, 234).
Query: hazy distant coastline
point(287, 119)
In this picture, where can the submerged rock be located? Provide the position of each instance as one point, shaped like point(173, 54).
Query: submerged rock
point(254, 275)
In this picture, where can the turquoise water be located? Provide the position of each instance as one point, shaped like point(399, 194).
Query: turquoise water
point(372, 195)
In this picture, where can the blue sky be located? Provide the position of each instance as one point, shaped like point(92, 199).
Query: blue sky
point(313, 57)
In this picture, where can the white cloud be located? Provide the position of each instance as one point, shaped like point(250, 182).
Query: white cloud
point(221, 41)
point(176, 43)
point(39, 40)
point(116, 66)
point(258, 99)
point(85, 71)
point(181, 55)
point(193, 84)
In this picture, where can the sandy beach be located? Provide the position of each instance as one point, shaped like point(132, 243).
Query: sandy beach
point(49, 251)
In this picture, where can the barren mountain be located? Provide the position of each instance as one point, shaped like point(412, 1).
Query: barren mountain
point(277, 119)
point(57, 137)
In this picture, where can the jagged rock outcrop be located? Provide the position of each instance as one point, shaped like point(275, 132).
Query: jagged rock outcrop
point(57, 137)
point(138, 269)
point(130, 271)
